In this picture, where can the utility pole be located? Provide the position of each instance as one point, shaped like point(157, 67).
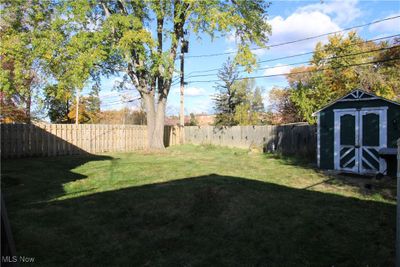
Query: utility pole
point(77, 108)
point(182, 91)
point(184, 49)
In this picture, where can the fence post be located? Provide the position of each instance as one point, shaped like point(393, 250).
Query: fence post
point(398, 207)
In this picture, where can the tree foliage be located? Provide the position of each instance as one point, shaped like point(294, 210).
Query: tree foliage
point(237, 101)
point(22, 26)
point(141, 39)
point(58, 104)
point(328, 77)
point(122, 116)
point(250, 102)
point(282, 109)
point(89, 108)
point(73, 43)
point(192, 121)
point(226, 99)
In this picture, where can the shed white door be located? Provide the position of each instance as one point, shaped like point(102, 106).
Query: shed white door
point(359, 134)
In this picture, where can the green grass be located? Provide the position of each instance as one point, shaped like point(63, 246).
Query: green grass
point(195, 206)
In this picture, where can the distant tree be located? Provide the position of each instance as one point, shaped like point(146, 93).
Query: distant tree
point(245, 116)
point(89, 108)
point(249, 102)
point(193, 121)
point(136, 117)
point(236, 101)
point(282, 109)
point(122, 116)
point(225, 100)
point(58, 104)
point(389, 70)
point(257, 104)
point(10, 110)
point(93, 104)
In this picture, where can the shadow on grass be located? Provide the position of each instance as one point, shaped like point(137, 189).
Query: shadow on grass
point(209, 220)
point(36, 180)
point(365, 185)
point(307, 163)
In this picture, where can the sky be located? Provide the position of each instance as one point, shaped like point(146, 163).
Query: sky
point(290, 20)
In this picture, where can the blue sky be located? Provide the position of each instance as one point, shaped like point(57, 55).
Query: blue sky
point(290, 20)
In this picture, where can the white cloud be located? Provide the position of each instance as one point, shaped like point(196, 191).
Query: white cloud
point(231, 38)
point(300, 25)
point(341, 11)
point(190, 91)
point(306, 21)
point(278, 69)
point(388, 26)
point(201, 106)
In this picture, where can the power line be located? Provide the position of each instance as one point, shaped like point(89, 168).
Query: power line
point(286, 57)
point(121, 102)
point(300, 72)
point(300, 40)
point(301, 54)
point(176, 80)
point(309, 61)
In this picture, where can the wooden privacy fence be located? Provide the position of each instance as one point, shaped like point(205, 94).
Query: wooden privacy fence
point(24, 140)
point(294, 139)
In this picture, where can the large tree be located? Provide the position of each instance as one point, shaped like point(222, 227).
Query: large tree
point(329, 75)
point(142, 38)
point(44, 55)
point(22, 24)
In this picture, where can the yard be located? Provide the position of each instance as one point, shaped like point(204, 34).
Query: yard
point(195, 206)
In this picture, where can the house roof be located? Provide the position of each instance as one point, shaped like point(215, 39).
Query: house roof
point(356, 95)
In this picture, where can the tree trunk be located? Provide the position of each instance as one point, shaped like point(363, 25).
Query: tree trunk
point(155, 122)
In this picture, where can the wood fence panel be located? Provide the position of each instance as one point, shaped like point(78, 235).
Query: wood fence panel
point(295, 139)
point(27, 140)
point(18, 140)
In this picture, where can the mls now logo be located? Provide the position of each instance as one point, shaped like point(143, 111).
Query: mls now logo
point(11, 259)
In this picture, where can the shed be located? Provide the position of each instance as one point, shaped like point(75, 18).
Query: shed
point(354, 131)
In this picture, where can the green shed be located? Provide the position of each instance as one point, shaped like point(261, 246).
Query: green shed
point(358, 134)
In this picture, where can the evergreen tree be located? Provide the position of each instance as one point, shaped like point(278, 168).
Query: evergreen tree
point(225, 99)
point(257, 104)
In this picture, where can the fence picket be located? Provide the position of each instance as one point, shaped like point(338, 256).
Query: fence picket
point(19, 140)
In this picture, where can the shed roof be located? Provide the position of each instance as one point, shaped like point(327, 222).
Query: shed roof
point(356, 95)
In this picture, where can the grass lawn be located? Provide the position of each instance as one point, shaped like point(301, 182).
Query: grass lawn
point(195, 206)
